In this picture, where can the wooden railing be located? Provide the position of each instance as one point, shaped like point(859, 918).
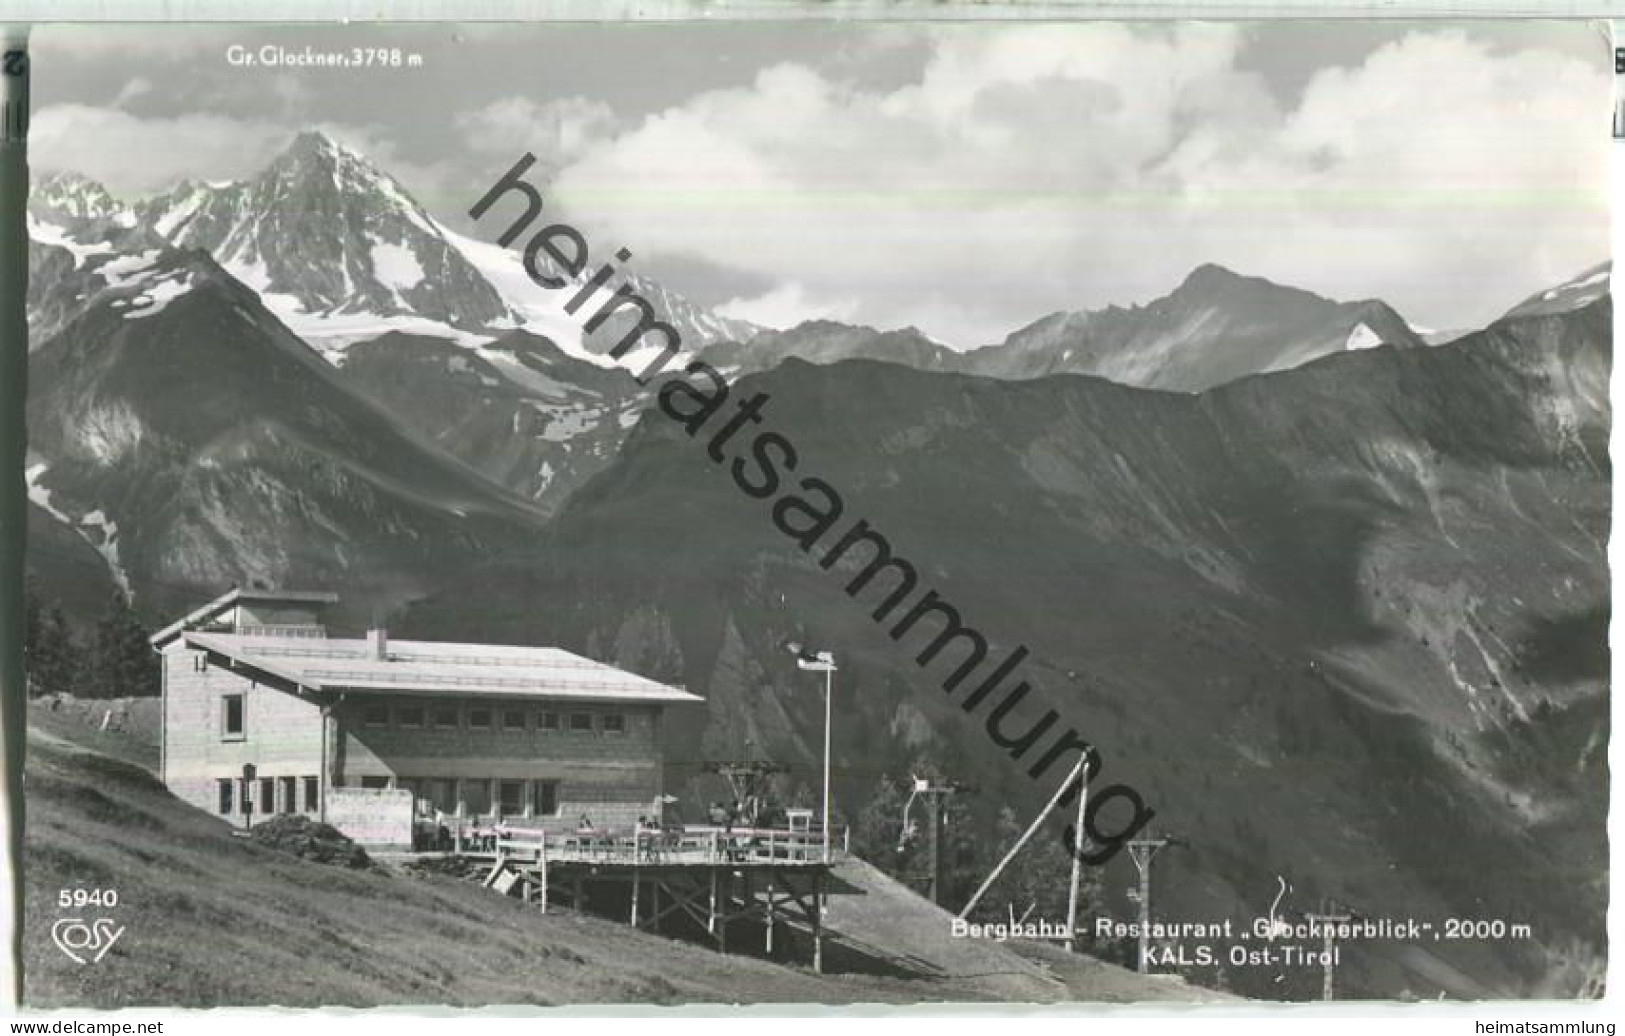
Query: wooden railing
point(301, 630)
point(695, 845)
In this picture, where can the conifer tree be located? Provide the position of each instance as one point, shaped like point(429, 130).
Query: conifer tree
point(122, 663)
point(877, 835)
point(48, 647)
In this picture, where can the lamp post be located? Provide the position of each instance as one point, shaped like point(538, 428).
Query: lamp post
point(824, 662)
point(249, 772)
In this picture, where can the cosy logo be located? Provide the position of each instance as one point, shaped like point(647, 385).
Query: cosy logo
point(85, 942)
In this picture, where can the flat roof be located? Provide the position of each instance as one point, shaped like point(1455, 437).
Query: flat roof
point(231, 598)
point(434, 667)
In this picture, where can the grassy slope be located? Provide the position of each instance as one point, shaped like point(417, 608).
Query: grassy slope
point(213, 919)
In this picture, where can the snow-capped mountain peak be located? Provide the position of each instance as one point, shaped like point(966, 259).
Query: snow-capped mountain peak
point(70, 196)
point(336, 247)
point(1575, 293)
point(342, 252)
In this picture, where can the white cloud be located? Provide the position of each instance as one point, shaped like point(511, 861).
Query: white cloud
point(784, 306)
point(557, 131)
point(132, 156)
point(1040, 167)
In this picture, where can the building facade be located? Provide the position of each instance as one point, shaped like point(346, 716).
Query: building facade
point(265, 714)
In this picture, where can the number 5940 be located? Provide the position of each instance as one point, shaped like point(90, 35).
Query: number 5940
point(87, 897)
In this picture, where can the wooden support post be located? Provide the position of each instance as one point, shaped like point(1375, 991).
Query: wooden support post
point(541, 862)
point(769, 925)
point(637, 884)
point(727, 897)
point(580, 893)
point(818, 921)
point(654, 906)
point(711, 914)
point(938, 857)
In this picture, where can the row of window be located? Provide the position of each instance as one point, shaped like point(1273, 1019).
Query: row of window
point(478, 796)
point(486, 717)
point(268, 795)
point(453, 796)
point(233, 723)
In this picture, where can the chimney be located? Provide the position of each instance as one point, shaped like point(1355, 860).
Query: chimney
point(378, 642)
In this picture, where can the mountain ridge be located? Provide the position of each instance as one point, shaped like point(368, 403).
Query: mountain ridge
point(206, 444)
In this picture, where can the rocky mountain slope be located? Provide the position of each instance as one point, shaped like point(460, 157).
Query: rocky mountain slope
point(517, 408)
point(434, 322)
point(829, 341)
point(192, 440)
point(1579, 291)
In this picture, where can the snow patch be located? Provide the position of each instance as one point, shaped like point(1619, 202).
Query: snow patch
point(1362, 337)
point(540, 309)
point(567, 422)
point(155, 298)
point(41, 496)
point(178, 214)
point(126, 269)
point(395, 266)
point(332, 333)
point(51, 234)
point(95, 528)
point(532, 381)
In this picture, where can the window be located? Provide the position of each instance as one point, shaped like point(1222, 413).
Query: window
point(445, 717)
point(511, 798)
point(546, 803)
point(443, 794)
point(409, 716)
point(224, 786)
point(313, 800)
point(477, 796)
point(580, 721)
point(375, 783)
point(231, 716)
point(479, 718)
point(547, 721)
point(290, 793)
point(375, 714)
point(513, 719)
point(614, 723)
point(200, 663)
point(267, 794)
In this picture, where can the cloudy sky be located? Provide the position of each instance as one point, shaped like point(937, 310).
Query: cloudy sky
point(959, 178)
